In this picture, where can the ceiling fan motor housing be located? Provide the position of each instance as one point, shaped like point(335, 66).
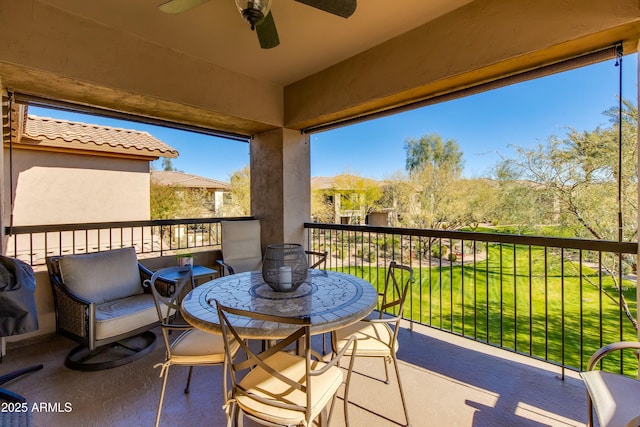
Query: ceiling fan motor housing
point(254, 11)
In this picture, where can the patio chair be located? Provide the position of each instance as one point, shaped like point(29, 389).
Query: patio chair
point(241, 248)
point(614, 397)
point(193, 347)
point(101, 303)
point(316, 258)
point(280, 388)
point(378, 337)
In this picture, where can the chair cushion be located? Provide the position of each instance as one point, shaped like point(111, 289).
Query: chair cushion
point(373, 338)
point(615, 397)
point(263, 384)
point(241, 247)
point(102, 276)
point(123, 315)
point(198, 347)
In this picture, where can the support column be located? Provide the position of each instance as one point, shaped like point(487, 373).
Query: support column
point(281, 185)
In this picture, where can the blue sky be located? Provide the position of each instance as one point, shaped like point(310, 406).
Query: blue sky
point(484, 126)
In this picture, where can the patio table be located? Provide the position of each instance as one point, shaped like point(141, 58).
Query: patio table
point(197, 271)
point(330, 299)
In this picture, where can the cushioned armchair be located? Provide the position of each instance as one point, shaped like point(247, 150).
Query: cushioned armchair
point(101, 303)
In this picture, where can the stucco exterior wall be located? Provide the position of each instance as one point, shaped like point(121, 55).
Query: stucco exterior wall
point(58, 188)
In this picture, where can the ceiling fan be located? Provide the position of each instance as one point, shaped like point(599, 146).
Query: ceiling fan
point(258, 14)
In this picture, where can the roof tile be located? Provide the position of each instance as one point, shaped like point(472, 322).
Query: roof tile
point(95, 136)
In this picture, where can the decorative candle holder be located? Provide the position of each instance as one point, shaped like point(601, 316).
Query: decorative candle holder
point(284, 266)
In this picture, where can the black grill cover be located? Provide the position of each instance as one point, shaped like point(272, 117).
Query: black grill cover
point(18, 313)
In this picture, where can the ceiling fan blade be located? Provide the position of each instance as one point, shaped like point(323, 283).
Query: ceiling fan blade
point(267, 33)
point(343, 8)
point(179, 6)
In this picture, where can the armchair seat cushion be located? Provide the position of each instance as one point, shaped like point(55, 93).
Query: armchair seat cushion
point(120, 316)
point(615, 397)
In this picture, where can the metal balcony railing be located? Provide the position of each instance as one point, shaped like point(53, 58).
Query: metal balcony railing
point(553, 299)
point(33, 244)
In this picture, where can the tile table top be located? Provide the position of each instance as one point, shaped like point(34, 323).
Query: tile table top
point(330, 299)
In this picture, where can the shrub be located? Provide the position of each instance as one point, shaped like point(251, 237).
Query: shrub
point(371, 257)
point(421, 248)
point(389, 244)
point(367, 255)
point(435, 252)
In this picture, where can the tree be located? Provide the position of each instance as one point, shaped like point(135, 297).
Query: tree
point(480, 201)
point(435, 167)
point(322, 209)
point(170, 202)
point(429, 151)
point(593, 190)
point(163, 201)
point(167, 165)
point(521, 203)
point(580, 172)
point(240, 194)
point(399, 194)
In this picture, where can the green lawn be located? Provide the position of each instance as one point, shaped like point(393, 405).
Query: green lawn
point(556, 318)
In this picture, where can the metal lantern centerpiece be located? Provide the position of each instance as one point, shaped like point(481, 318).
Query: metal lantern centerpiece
point(285, 266)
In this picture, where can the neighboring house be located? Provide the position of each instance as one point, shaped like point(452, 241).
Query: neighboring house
point(63, 172)
point(350, 199)
point(353, 198)
point(70, 172)
point(218, 193)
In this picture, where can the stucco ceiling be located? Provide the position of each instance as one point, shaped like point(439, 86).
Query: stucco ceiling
point(310, 40)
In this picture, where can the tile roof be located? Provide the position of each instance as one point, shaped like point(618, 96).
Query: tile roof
point(181, 179)
point(62, 133)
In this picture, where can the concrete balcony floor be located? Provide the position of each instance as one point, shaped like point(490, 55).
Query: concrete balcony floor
point(448, 380)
